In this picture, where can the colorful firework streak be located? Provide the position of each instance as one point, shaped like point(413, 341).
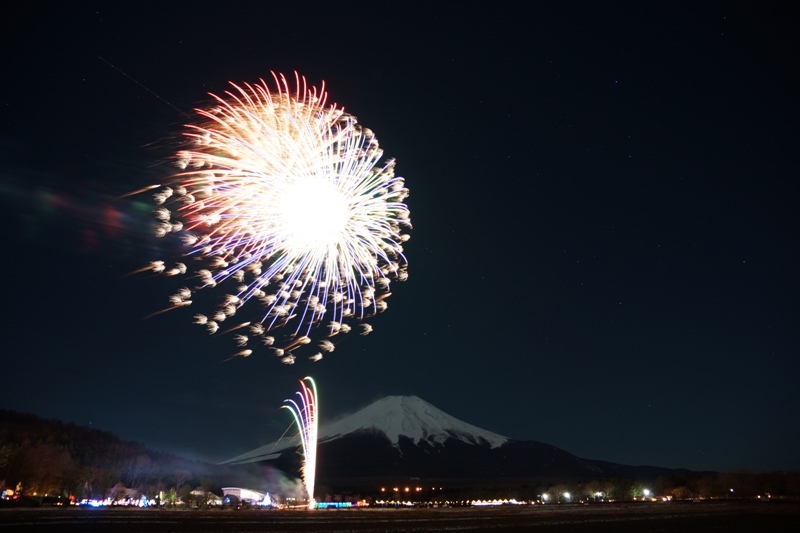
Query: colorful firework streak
point(283, 199)
point(306, 417)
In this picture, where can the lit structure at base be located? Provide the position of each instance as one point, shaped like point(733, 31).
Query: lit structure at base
point(306, 416)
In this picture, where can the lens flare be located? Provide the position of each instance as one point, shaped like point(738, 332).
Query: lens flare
point(283, 200)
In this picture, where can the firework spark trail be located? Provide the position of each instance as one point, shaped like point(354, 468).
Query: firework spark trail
point(306, 416)
point(284, 200)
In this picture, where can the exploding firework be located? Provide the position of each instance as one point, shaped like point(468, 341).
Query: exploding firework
point(306, 417)
point(283, 200)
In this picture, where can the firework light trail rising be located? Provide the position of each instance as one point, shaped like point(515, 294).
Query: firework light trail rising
point(307, 417)
point(283, 199)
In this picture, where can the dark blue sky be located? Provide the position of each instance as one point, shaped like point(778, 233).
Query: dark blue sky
point(604, 198)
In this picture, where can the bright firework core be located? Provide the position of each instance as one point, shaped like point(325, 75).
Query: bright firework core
point(314, 213)
point(283, 200)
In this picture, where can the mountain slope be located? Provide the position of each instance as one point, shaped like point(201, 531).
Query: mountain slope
point(393, 417)
point(406, 437)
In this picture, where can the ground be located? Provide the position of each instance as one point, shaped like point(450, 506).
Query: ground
point(629, 517)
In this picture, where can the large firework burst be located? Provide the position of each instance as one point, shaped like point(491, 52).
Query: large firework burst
point(283, 200)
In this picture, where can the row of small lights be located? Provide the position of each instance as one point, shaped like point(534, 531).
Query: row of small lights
point(544, 498)
point(408, 489)
point(567, 496)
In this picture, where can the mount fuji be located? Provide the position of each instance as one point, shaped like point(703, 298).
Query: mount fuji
point(405, 436)
point(395, 418)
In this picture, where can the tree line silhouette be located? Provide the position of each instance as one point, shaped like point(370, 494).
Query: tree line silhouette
point(41, 457)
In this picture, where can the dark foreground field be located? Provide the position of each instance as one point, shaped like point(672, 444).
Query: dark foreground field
point(688, 517)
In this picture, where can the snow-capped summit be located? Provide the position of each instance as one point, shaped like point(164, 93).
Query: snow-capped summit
point(394, 417)
point(411, 417)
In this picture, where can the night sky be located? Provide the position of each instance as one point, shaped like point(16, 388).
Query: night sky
point(604, 198)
